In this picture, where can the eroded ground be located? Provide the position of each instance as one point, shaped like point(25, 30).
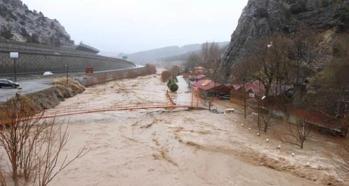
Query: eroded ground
point(159, 147)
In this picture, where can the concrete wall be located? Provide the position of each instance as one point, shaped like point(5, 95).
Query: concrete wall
point(103, 77)
point(38, 58)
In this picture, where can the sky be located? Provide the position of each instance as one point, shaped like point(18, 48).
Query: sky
point(127, 26)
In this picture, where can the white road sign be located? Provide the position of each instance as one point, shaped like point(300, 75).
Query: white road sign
point(14, 55)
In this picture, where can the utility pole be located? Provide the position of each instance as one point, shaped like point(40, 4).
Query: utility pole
point(258, 107)
point(15, 69)
point(67, 73)
point(258, 116)
point(245, 99)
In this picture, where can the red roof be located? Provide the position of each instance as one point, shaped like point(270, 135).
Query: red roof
point(254, 86)
point(205, 84)
point(200, 77)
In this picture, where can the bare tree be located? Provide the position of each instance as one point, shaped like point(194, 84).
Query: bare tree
point(28, 146)
point(193, 61)
point(270, 65)
point(49, 158)
point(209, 57)
point(19, 136)
point(2, 179)
point(300, 132)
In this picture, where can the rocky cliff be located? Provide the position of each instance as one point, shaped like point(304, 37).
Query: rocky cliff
point(264, 17)
point(19, 23)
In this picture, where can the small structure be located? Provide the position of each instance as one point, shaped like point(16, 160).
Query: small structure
point(87, 48)
point(209, 88)
point(253, 89)
point(197, 78)
point(89, 69)
point(199, 70)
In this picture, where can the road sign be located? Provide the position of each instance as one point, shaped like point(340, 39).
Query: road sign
point(14, 55)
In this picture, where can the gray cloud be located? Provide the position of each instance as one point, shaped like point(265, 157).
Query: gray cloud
point(135, 25)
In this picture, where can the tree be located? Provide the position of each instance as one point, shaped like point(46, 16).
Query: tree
point(30, 143)
point(193, 61)
point(211, 58)
point(331, 85)
point(269, 64)
point(300, 132)
point(278, 62)
point(6, 32)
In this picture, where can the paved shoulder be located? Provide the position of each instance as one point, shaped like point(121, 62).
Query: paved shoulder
point(27, 86)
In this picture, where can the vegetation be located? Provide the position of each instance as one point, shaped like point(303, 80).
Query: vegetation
point(293, 63)
point(165, 76)
point(6, 33)
point(209, 57)
point(172, 85)
point(33, 145)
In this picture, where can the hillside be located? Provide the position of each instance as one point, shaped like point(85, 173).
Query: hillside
point(19, 23)
point(166, 54)
point(301, 44)
point(262, 18)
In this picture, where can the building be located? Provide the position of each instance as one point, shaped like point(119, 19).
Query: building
point(209, 88)
point(253, 89)
point(87, 48)
point(199, 71)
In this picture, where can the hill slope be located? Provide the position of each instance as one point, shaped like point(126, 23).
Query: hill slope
point(262, 18)
point(166, 54)
point(19, 23)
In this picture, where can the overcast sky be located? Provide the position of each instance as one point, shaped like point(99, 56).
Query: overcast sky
point(135, 25)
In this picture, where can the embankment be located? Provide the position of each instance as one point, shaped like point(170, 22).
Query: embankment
point(35, 59)
point(39, 101)
point(106, 76)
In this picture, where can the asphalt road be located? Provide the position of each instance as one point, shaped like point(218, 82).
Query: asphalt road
point(26, 87)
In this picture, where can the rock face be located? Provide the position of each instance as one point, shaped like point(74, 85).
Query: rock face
point(265, 17)
point(19, 23)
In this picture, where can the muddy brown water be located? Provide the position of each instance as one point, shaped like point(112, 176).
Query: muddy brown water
point(158, 147)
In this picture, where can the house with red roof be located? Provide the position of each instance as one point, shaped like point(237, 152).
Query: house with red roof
point(208, 88)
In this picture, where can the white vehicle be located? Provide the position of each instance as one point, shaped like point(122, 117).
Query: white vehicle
point(48, 73)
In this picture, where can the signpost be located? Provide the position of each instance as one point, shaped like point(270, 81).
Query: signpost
point(67, 73)
point(14, 56)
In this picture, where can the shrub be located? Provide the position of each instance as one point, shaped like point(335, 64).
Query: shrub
point(172, 85)
point(165, 76)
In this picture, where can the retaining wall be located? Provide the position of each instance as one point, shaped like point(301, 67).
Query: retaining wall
point(103, 77)
point(35, 59)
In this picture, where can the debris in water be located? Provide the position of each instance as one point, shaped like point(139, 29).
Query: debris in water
point(308, 164)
